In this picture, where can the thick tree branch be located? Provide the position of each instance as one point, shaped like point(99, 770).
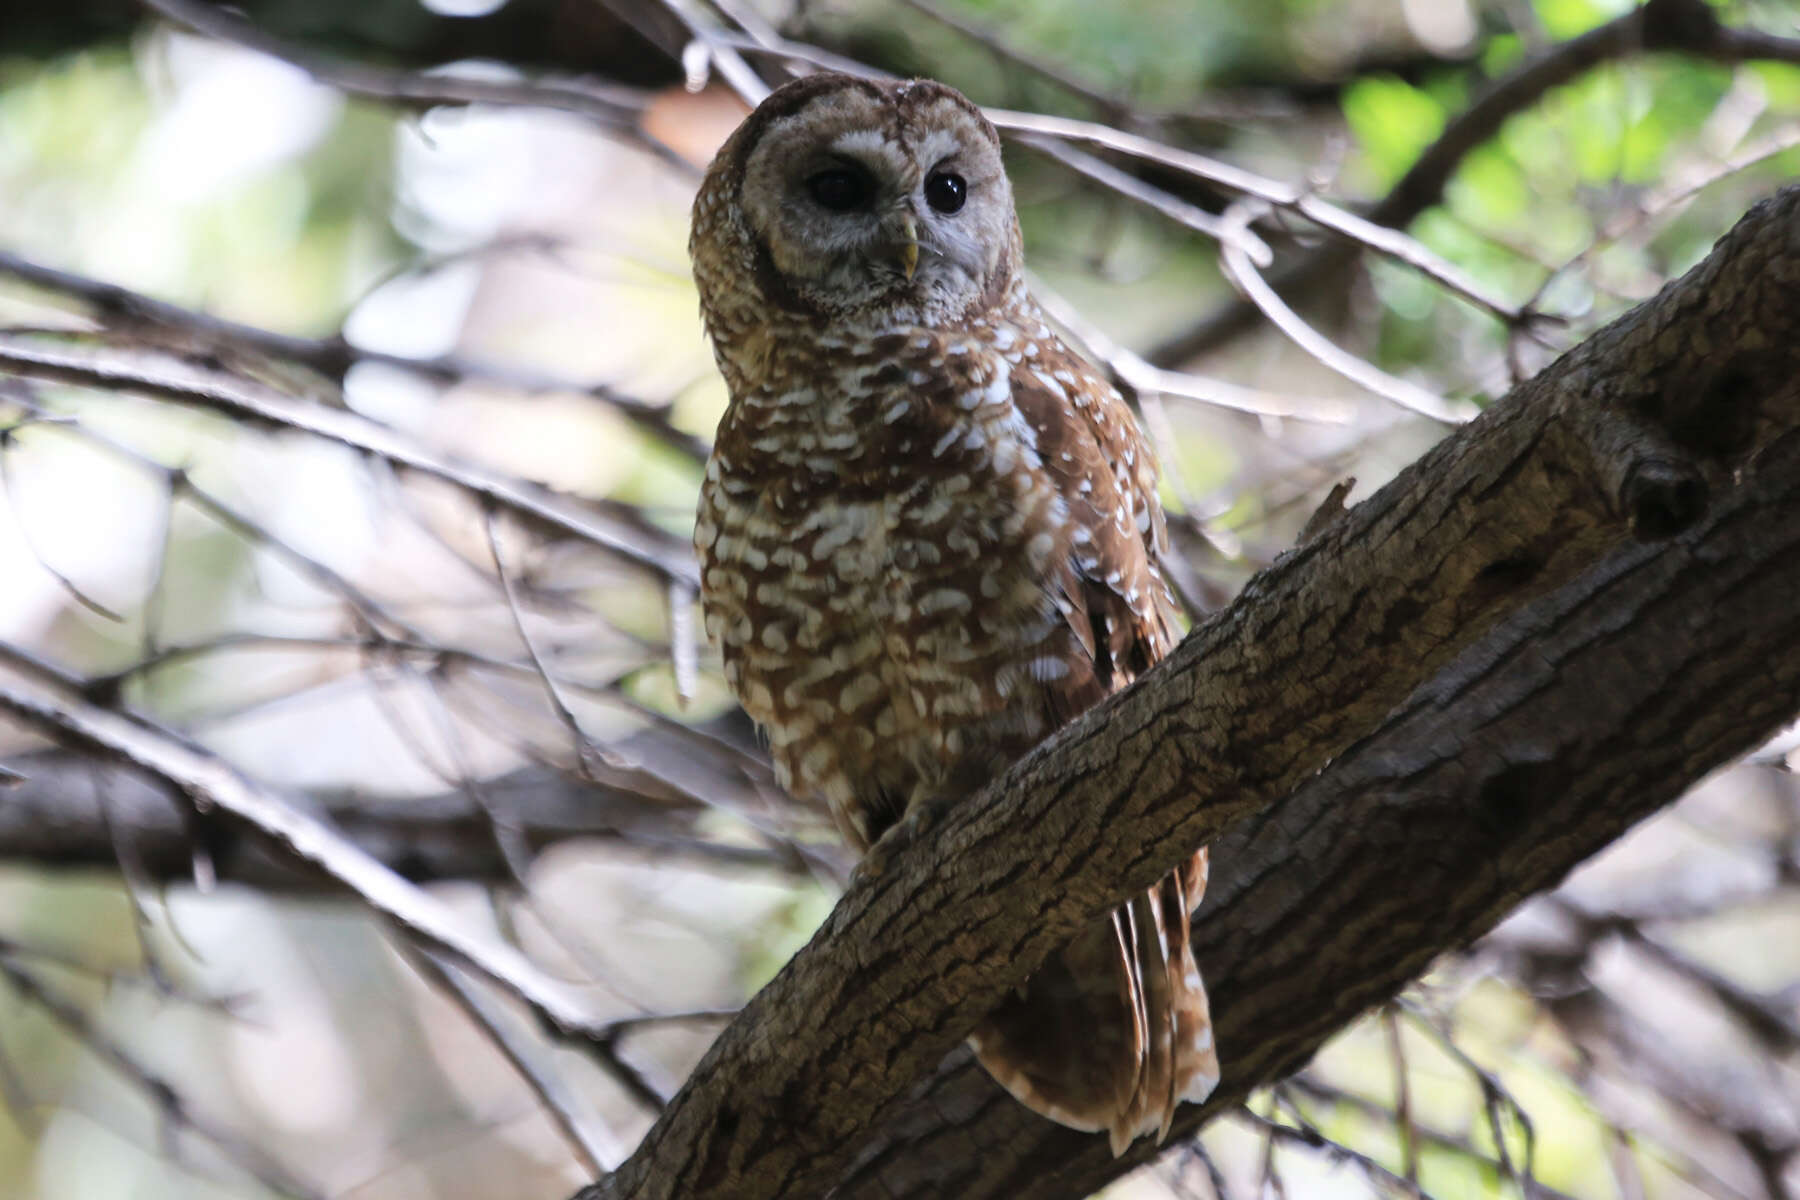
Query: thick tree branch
point(1463, 686)
point(1582, 714)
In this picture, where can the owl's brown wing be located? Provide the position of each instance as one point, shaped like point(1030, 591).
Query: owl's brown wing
point(1091, 445)
point(1114, 1030)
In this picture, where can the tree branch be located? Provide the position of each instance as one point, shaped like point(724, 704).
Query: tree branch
point(610, 105)
point(257, 405)
point(1541, 631)
point(70, 810)
point(331, 356)
point(1687, 27)
point(213, 785)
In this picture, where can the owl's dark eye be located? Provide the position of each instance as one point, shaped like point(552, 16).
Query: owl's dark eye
point(946, 191)
point(839, 189)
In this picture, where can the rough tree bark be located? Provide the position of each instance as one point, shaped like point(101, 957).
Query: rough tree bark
point(1544, 629)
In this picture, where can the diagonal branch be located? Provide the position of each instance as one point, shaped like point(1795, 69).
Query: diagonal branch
point(256, 405)
point(212, 784)
point(1688, 27)
point(179, 1115)
point(120, 308)
point(1544, 629)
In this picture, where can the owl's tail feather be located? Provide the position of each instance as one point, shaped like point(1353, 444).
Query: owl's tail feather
point(1114, 1031)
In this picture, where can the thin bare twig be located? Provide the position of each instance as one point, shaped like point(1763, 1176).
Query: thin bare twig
point(1191, 1151)
point(1403, 1118)
point(594, 1145)
point(1134, 375)
point(331, 356)
point(370, 613)
point(585, 749)
point(1771, 1023)
point(1338, 221)
point(263, 406)
point(708, 52)
point(1310, 1084)
point(1670, 197)
point(1113, 108)
point(8, 440)
point(177, 1113)
point(1191, 216)
point(1242, 271)
point(1303, 1132)
point(213, 784)
point(1494, 1095)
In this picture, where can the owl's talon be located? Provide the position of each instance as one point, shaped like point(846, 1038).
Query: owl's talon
point(881, 855)
point(922, 816)
point(876, 862)
point(925, 813)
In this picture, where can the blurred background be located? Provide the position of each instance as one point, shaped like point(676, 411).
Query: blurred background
point(454, 614)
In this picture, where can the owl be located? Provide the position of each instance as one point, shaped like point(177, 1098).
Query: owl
point(928, 535)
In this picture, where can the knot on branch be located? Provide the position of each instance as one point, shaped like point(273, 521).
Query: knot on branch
point(1662, 497)
point(1668, 441)
point(1660, 452)
point(1657, 485)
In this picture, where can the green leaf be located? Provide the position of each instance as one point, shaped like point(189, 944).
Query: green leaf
point(1393, 121)
point(1780, 83)
point(1564, 19)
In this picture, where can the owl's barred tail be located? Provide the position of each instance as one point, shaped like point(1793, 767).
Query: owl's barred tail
point(1114, 1031)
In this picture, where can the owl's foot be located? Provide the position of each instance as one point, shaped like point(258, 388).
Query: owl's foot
point(923, 814)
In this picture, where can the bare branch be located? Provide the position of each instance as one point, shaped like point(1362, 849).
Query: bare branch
point(331, 356)
point(1688, 27)
point(1338, 221)
point(53, 815)
point(1305, 1133)
point(269, 409)
point(609, 105)
point(177, 1113)
point(1307, 1083)
point(592, 1143)
point(1242, 271)
point(213, 784)
point(1136, 377)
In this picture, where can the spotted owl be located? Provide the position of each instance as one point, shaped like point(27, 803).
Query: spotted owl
point(928, 536)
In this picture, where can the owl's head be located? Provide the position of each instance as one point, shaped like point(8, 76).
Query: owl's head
point(850, 198)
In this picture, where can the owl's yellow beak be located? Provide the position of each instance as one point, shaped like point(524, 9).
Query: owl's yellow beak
point(909, 249)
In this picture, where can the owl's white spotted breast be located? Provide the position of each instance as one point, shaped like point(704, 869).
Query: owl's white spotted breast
point(892, 553)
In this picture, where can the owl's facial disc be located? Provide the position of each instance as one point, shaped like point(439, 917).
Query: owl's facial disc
point(889, 199)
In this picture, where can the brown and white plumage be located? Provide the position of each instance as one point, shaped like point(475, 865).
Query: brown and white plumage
point(928, 535)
